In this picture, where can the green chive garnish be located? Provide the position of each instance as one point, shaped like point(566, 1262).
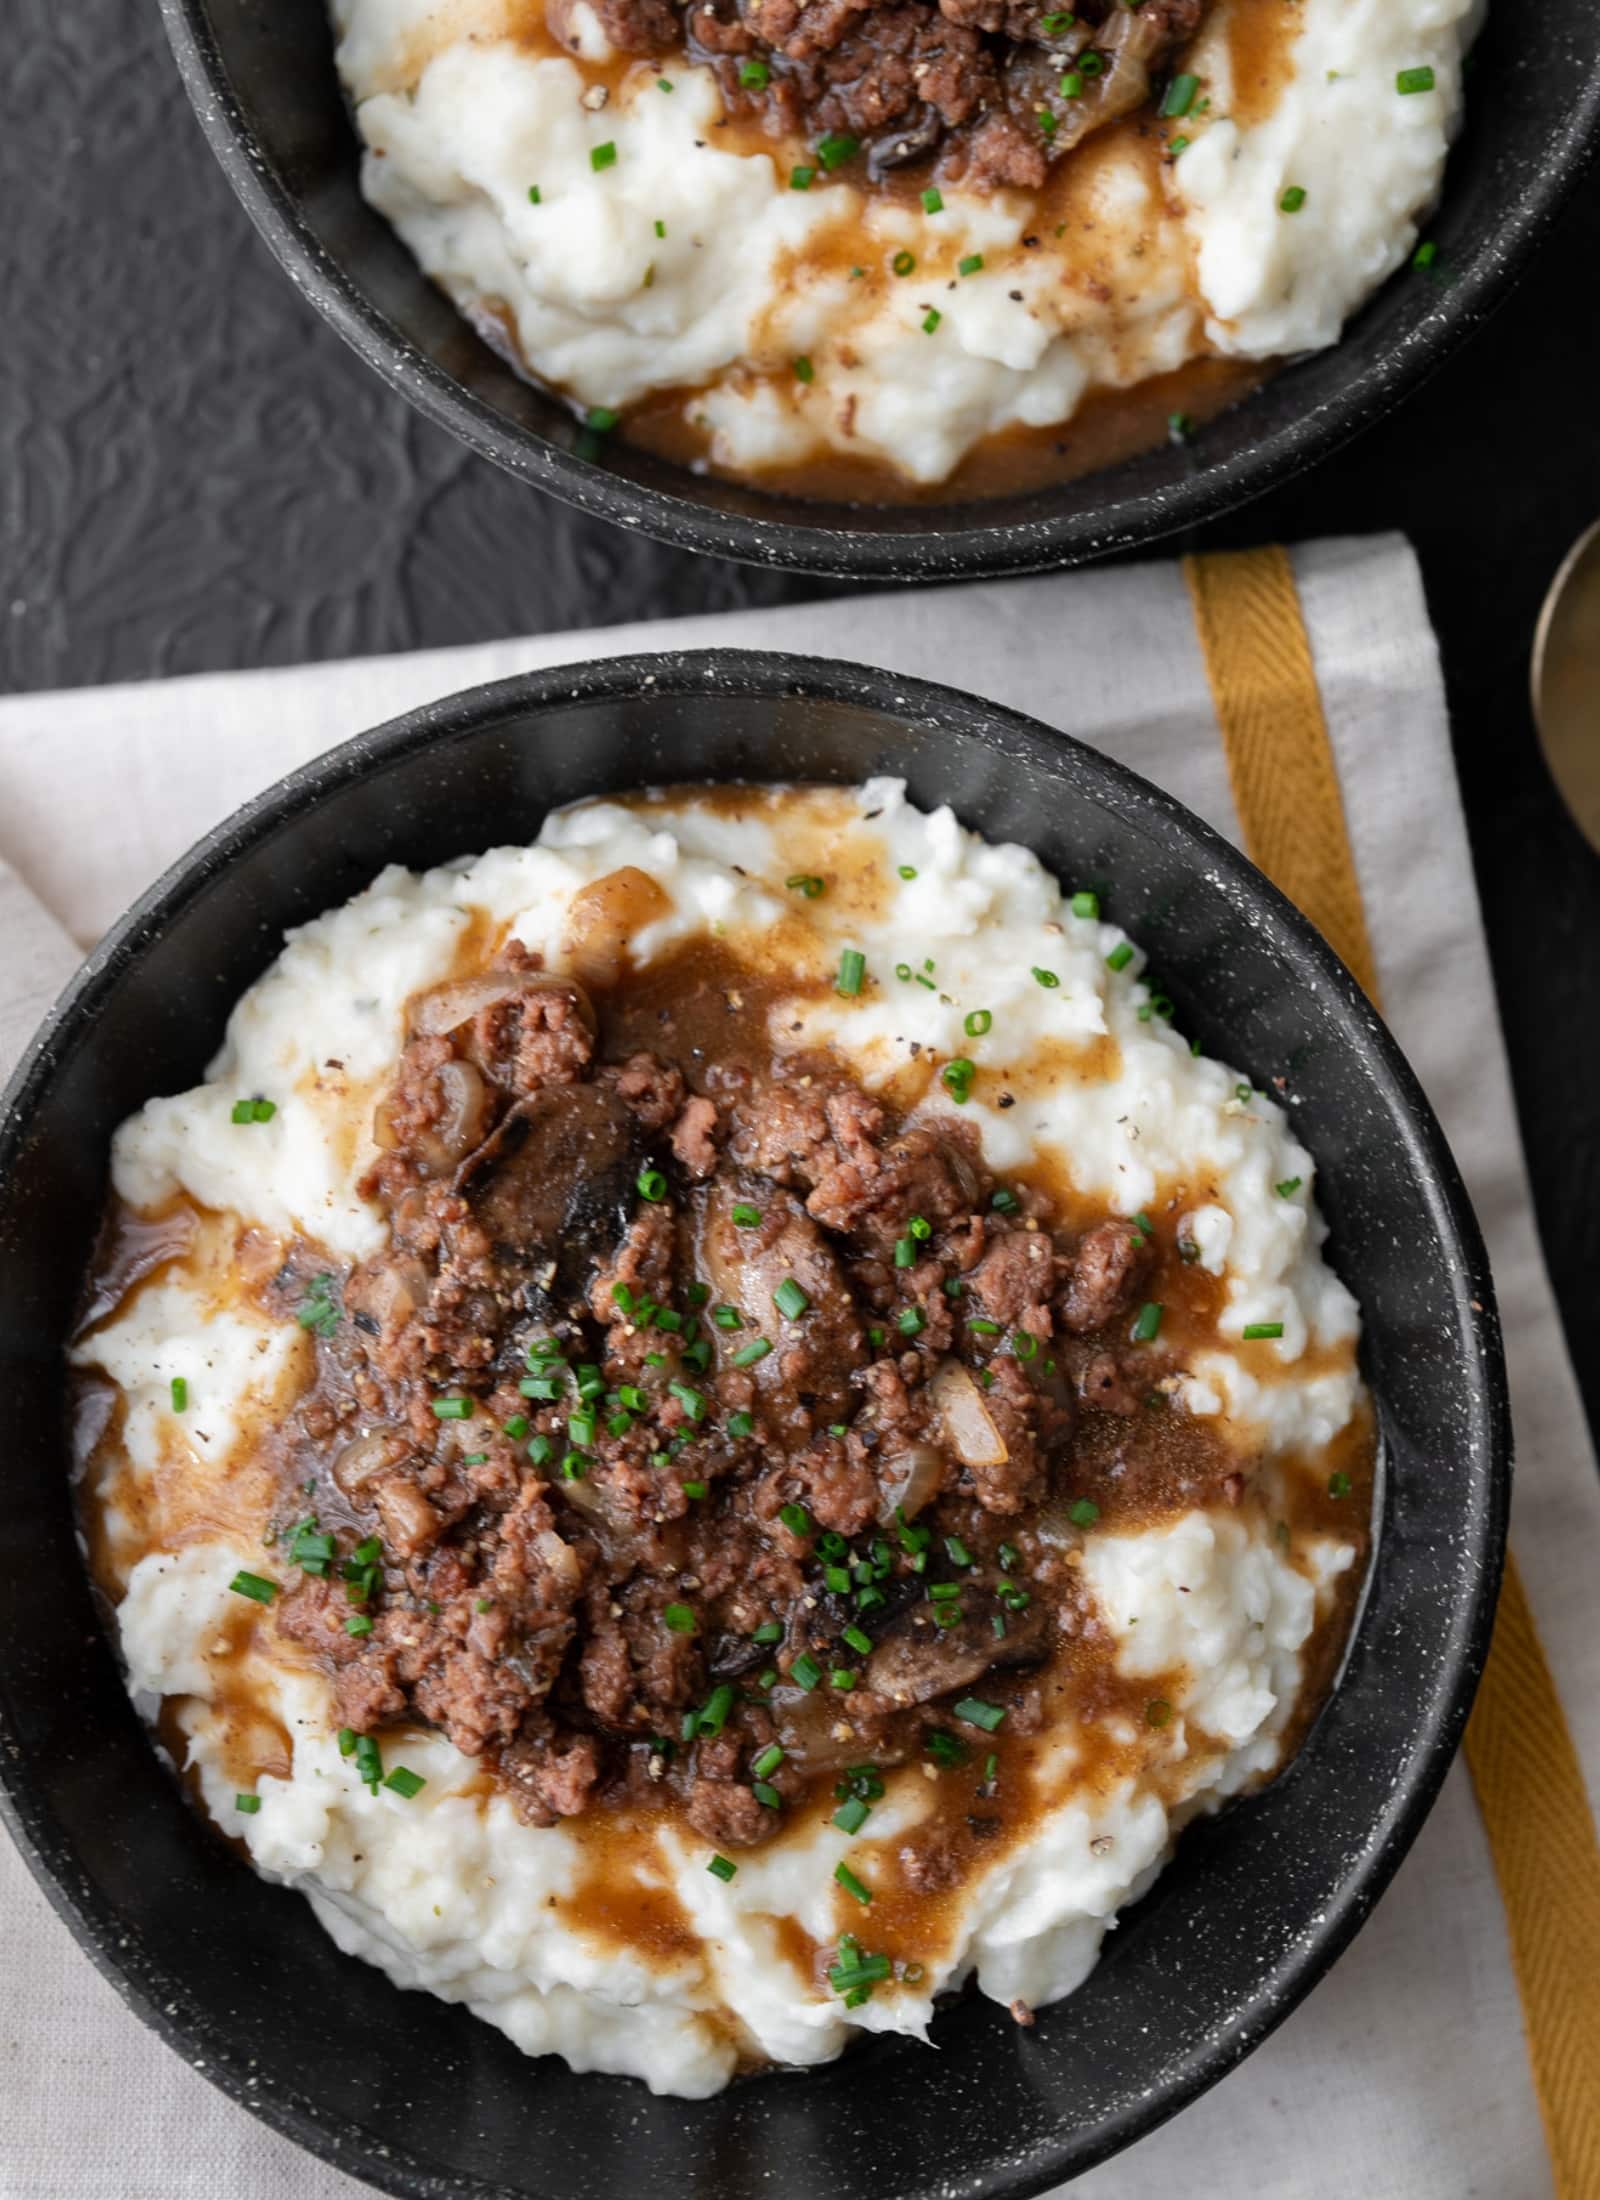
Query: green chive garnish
point(805, 1671)
point(790, 1300)
point(254, 1586)
point(722, 1867)
point(851, 1884)
point(976, 1712)
point(1261, 1332)
point(1415, 80)
point(852, 970)
point(679, 1618)
point(1148, 1326)
point(405, 1782)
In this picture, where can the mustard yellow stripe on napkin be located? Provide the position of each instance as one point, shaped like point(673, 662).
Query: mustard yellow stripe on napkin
point(1524, 1768)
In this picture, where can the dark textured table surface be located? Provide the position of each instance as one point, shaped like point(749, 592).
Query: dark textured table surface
point(195, 474)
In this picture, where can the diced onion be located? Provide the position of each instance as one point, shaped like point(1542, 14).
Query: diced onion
point(967, 1425)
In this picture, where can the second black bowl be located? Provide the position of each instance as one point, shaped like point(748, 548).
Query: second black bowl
point(263, 82)
point(421, 2098)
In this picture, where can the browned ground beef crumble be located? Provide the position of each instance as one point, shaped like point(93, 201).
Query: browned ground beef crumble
point(698, 1406)
point(998, 89)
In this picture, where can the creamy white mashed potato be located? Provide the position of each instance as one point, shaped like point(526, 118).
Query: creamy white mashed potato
point(683, 264)
point(1212, 1613)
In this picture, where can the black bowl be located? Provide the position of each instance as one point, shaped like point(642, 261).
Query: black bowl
point(421, 2098)
point(263, 83)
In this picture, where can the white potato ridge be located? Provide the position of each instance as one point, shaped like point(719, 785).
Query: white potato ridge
point(1367, 156)
point(452, 1894)
point(608, 307)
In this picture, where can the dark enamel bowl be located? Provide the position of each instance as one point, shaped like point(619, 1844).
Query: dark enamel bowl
point(263, 83)
point(423, 2099)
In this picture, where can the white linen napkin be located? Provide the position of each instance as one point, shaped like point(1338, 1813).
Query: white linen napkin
point(1403, 2076)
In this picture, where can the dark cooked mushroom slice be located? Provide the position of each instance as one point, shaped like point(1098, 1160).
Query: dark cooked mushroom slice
point(555, 1184)
point(916, 1659)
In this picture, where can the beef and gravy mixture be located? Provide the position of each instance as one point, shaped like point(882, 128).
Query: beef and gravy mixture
point(704, 1450)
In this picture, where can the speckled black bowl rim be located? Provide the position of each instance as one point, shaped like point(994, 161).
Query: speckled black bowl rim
point(158, 1996)
point(1481, 276)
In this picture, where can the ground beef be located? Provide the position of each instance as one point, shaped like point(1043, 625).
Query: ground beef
point(1108, 1265)
point(963, 82)
point(634, 1421)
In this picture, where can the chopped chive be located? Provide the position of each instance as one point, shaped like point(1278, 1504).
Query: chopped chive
point(860, 1643)
point(692, 1401)
point(977, 1023)
point(180, 1393)
point(1339, 1485)
point(254, 1586)
point(254, 1111)
point(1415, 80)
point(727, 1317)
point(801, 179)
point(652, 1184)
point(722, 1867)
point(1425, 255)
point(852, 969)
point(836, 148)
point(1180, 97)
point(1288, 1188)
point(911, 1322)
point(360, 1625)
point(790, 1300)
point(804, 371)
point(981, 1326)
point(740, 1424)
point(770, 1630)
point(1024, 1345)
point(746, 1216)
point(694, 1491)
point(959, 1554)
point(903, 263)
point(976, 1712)
point(748, 1354)
point(679, 1618)
point(1071, 85)
point(754, 75)
point(347, 1740)
point(851, 1884)
point(957, 1076)
point(714, 1716)
point(805, 1671)
point(1120, 956)
point(768, 1761)
point(850, 1817)
point(603, 156)
point(541, 1451)
point(452, 1409)
point(765, 1795)
point(842, 1677)
point(1158, 1712)
point(1048, 979)
point(931, 320)
point(1148, 1325)
point(534, 194)
point(247, 1804)
point(970, 265)
point(932, 202)
point(796, 1519)
point(1083, 1512)
point(1261, 1332)
point(807, 883)
point(1085, 905)
point(1004, 1201)
point(574, 1467)
point(1292, 200)
point(405, 1782)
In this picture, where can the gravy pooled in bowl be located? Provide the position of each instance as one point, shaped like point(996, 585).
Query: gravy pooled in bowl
point(711, 1428)
point(887, 250)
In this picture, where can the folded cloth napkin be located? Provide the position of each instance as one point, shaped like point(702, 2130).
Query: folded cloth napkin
point(1404, 2075)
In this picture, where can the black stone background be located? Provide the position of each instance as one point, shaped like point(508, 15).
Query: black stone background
point(196, 474)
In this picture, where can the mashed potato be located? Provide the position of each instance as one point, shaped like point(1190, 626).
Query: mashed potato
point(624, 249)
point(1208, 1623)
